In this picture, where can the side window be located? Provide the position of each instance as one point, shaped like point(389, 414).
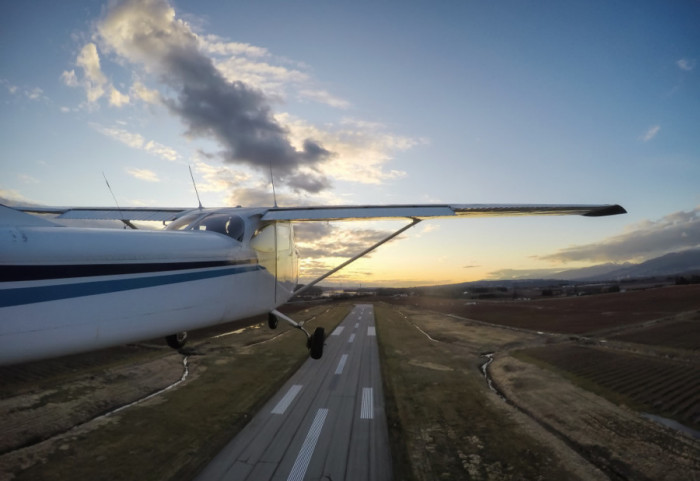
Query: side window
point(284, 237)
point(264, 240)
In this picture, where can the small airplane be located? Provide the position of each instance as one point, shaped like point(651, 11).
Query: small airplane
point(66, 290)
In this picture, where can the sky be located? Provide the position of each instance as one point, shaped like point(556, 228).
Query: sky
point(368, 103)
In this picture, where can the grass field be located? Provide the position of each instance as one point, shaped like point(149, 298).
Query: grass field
point(442, 423)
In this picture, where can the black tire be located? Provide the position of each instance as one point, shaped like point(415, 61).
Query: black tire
point(272, 321)
point(177, 341)
point(316, 343)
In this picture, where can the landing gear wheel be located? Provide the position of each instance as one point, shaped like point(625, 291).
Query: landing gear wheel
point(177, 341)
point(272, 321)
point(315, 343)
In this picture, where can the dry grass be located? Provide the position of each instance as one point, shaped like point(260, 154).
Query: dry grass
point(442, 421)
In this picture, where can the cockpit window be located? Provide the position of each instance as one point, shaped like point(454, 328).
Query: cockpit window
point(227, 224)
point(184, 221)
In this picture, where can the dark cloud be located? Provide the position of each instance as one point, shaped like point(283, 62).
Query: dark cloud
point(237, 116)
point(674, 232)
point(307, 182)
point(312, 231)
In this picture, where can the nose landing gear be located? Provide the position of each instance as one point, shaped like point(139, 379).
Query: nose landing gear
point(314, 342)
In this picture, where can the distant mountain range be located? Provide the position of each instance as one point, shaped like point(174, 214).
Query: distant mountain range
point(676, 263)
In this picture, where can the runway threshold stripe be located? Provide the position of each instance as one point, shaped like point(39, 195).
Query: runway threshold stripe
point(307, 449)
point(352, 337)
point(341, 364)
point(371, 331)
point(284, 403)
point(367, 409)
point(338, 330)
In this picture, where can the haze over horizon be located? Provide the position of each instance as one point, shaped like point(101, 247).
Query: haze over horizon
point(366, 103)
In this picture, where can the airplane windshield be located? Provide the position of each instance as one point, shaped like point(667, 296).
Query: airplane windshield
point(228, 224)
point(184, 221)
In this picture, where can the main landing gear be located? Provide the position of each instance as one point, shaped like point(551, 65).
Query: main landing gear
point(314, 342)
point(177, 341)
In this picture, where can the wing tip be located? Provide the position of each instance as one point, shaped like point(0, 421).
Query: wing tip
point(606, 210)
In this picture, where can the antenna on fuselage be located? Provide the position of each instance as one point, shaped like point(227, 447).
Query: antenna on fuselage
point(272, 181)
point(121, 214)
point(195, 187)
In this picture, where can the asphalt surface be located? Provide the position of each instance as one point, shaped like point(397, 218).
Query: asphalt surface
point(326, 423)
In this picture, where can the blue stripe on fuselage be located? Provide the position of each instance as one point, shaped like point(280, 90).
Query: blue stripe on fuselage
point(30, 295)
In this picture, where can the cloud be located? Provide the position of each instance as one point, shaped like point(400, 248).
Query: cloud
point(648, 239)
point(523, 274)
point(686, 64)
point(116, 98)
point(273, 80)
point(651, 133)
point(11, 197)
point(94, 81)
point(224, 91)
point(219, 46)
point(32, 93)
point(237, 116)
point(324, 97)
point(142, 92)
point(362, 149)
point(323, 240)
point(35, 93)
point(136, 141)
point(143, 174)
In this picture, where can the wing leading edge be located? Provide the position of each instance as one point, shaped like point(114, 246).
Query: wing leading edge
point(108, 213)
point(427, 211)
point(347, 212)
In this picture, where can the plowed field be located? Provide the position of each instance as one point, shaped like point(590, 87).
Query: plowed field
point(655, 385)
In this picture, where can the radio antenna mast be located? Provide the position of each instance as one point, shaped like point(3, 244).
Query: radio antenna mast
point(195, 187)
point(272, 181)
point(121, 214)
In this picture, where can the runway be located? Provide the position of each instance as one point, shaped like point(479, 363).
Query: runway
point(326, 423)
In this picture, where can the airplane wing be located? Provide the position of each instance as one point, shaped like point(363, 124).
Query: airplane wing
point(336, 213)
point(426, 211)
point(108, 213)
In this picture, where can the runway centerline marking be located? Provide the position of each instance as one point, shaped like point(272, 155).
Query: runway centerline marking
point(352, 337)
point(284, 403)
point(341, 364)
point(371, 331)
point(367, 409)
point(307, 449)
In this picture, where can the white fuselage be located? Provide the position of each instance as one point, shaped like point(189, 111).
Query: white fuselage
point(66, 290)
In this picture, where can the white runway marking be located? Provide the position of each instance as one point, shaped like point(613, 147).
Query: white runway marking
point(367, 409)
point(352, 337)
point(371, 331)
point(284, 403)
point(307, 449)
point(357, 324)
point(341, 364)
point(338, 330)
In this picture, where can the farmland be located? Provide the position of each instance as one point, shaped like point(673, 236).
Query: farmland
point(572, 315)
point(648, 383)
point(583, 371)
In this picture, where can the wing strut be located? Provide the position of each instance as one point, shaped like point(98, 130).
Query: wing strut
point(361, 254)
